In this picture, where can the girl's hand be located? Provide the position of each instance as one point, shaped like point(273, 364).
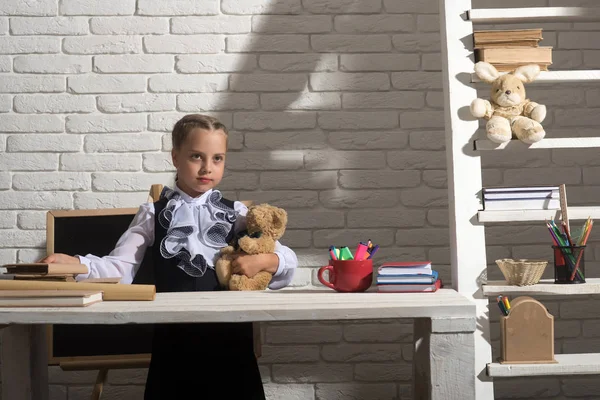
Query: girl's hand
point(60, 258)
point(250, 265)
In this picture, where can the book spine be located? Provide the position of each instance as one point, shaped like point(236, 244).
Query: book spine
point(533, 204)
point(514, 55)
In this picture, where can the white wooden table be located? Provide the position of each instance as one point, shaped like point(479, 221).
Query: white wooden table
point(444, 358)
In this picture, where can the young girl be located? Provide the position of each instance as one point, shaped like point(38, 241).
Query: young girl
point(186, 228)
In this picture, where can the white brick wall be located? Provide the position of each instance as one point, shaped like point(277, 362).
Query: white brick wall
point(336, 114)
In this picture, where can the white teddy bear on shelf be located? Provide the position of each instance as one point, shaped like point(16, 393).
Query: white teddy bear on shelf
point(509, 113)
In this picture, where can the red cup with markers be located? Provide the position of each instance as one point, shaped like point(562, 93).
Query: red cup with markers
point(348, 275)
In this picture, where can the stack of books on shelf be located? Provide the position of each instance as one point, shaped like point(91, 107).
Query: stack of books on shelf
point(407, 277)
point(521, 198)
point(509, 49)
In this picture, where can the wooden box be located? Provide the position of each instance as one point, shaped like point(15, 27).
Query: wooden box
point(527, 333)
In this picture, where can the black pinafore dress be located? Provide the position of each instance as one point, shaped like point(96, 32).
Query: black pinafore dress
point(198, 360)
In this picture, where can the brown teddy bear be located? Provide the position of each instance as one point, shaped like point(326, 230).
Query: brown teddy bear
point(509, 112)
point(265, 224)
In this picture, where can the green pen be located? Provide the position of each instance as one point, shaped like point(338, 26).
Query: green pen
point(346, 254)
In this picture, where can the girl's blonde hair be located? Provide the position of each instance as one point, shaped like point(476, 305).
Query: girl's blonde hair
point(185, 125)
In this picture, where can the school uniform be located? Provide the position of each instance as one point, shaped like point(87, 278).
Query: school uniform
point(184, 236)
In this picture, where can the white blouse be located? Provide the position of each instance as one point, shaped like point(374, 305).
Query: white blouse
point(199, 213)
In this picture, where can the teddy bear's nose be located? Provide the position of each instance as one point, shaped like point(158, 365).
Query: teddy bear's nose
point(508, 92)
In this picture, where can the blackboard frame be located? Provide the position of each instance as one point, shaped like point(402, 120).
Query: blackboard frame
point(51, 219)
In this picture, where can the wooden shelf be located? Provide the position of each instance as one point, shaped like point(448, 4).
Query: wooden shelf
point(546, 287)
point(532, 14)
point(550, 143)
point(572, 76)
point(575, 213)
point(568, 364)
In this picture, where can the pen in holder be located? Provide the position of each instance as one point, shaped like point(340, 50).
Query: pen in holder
point(569, 264)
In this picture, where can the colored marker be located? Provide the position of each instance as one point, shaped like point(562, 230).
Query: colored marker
point(373, 251)
point(345, 254)
point(332, 253)
point(361, 249)
point(501, 306)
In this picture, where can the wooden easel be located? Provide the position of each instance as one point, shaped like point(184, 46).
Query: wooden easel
point(103, 367)
point(137, 362)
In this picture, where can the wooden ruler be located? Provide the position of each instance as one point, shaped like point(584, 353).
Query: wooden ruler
point(562, 192)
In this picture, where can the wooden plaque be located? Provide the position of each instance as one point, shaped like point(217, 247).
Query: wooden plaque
point(527, 333)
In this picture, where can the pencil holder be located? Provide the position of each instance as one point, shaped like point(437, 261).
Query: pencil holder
point(527, 333)
point(569, 264)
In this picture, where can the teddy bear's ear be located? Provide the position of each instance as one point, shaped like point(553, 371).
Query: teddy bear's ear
point(527, 73)
point(279, 220)
point(486, 72)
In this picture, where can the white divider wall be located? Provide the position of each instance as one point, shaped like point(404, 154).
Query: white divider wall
point(467, 235)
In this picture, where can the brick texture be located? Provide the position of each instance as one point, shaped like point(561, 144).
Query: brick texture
point(336, 113)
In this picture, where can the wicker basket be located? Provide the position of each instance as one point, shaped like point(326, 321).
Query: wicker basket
point(522, 272)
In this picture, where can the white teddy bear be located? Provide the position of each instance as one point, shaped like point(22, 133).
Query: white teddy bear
point(509, 112)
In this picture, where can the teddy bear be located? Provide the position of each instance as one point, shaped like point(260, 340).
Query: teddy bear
point(265, 224)
point(509, 113)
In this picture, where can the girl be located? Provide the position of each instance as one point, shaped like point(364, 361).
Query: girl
point(186, 228)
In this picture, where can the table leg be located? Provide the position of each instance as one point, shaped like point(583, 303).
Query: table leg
point(444, 359)
point(24, 358)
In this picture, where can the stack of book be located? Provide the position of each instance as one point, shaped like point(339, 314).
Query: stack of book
point(24, 289)
point(509, 49)
point(45, 272)
point(521, 198)
point(49, 298)
point(407, 277)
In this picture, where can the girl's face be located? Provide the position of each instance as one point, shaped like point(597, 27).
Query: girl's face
point(200, 161)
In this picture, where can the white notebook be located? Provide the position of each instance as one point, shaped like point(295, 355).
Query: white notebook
point(525, 189)
point(49, 298)
point(531, 204)
point(517, 196)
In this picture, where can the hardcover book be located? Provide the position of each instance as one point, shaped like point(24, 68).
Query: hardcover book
point(45, 269)
point(49, 298)
point(407, 288)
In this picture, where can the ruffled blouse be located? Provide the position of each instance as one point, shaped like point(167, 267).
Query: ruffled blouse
point(196, 231)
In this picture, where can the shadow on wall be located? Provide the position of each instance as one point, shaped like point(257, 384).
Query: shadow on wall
point(294, 145)
point(294, 103)
point(275, 120)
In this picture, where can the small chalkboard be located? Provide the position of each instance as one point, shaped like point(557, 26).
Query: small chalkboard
point(95, 232)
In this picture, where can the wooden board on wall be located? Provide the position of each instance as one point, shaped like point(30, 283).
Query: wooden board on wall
point(97, 232)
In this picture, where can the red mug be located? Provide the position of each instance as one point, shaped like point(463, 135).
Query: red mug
point(348, 275)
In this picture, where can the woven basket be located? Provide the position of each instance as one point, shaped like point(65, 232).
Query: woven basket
point(522, 272)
